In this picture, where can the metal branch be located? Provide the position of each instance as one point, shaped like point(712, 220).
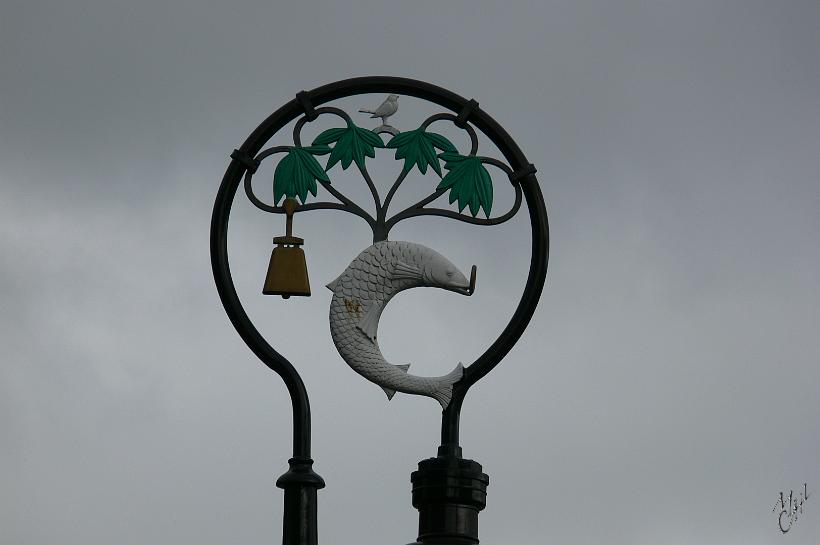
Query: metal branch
point(450, 117)
point(351, 206)
point(419, 209)
point(392, 191)
point(372, 186)
point(297, 129)
point(267, 152)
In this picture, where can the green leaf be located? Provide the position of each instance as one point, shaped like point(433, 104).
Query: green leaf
point(417, 149)
point(468, 181)
point(328, 136)
point(297, 172)
point(351, 144)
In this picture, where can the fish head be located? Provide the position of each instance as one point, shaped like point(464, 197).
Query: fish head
point(439, 272)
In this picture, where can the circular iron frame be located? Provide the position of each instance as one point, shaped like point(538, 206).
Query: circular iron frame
point(304, 104)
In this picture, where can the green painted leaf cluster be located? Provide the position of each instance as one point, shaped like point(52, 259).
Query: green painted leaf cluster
point(417, 148)
point(351, 143)
point(297, 172)
point(468, 182)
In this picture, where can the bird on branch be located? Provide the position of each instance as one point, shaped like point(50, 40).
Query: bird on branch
point(387, 108)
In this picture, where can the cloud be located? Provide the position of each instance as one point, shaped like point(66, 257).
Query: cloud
point(665, 391)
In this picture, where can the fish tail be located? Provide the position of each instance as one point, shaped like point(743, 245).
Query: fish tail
point(444, 392)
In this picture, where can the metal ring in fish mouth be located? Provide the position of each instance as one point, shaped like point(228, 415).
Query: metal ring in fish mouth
point(467, 290)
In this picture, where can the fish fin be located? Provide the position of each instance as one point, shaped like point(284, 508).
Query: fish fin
point(444, 393)
point(390, 393)
point(369, 324)
point(404, 367)
point(403, 271)
point(335, 284)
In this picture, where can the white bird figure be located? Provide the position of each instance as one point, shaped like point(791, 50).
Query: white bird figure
point(387, 108)
point(360, 294)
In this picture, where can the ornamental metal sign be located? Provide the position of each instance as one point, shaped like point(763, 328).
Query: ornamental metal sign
point(448, 490)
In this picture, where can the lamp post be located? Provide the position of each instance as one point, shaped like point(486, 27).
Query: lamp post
point(447, 490)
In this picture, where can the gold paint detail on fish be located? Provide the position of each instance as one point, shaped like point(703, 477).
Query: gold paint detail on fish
point(353, 307)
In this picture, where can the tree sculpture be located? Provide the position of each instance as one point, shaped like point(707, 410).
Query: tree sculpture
point(467, 180)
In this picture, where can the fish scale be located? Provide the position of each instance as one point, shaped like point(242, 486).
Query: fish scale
point(360, 294)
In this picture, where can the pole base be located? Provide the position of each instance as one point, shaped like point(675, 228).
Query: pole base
point(449, 492)
point(300, 484)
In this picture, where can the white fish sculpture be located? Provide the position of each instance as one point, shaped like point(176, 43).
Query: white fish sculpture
point(360, 294)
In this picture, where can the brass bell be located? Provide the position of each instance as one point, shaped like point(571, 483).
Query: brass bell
point(287, 270)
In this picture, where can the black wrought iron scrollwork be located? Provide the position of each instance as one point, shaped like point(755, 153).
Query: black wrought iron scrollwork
point(381, 224)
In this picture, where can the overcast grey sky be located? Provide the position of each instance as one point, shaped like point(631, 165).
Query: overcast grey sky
point(667, 386)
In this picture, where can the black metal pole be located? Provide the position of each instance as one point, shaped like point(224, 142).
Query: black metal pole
point(300, 483)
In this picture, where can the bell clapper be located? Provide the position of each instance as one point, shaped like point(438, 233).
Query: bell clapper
point(287, 270)
point(290, 207)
